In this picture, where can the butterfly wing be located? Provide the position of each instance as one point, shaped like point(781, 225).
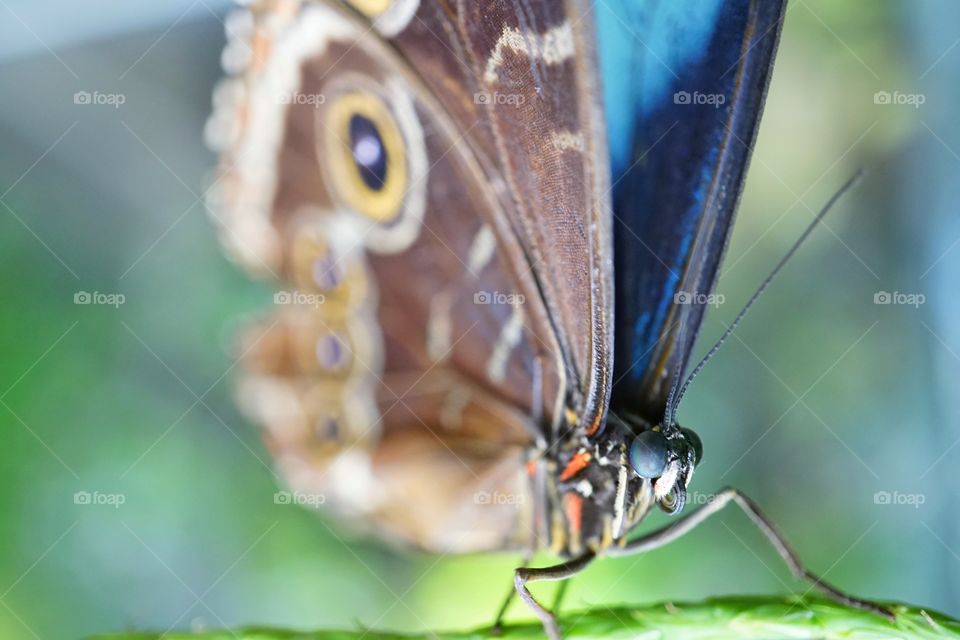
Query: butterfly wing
point(681, 133)
point(415, 358)
point(519, 78)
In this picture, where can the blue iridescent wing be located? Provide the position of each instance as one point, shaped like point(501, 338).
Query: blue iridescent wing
point(684, 91)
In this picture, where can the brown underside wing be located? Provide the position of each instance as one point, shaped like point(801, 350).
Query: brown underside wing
point(445, 308)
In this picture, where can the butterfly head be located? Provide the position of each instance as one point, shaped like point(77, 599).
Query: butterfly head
point(608, 484)
point(667, 458)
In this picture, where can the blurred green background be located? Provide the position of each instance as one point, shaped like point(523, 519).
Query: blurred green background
point(822, 400)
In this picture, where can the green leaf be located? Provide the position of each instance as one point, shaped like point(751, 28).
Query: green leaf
point(729, 618)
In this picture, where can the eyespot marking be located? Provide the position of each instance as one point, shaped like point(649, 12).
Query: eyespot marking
point(373, 159)
point(390, 17)
point(332, 352)
point(364, 154)
point(369, 153)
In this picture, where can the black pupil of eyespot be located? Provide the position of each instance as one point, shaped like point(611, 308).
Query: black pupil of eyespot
point(368, 151)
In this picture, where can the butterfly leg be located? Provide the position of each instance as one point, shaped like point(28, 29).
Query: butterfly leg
point(497, 628)
point(557, 601)
point(563, 571)
point(729, 495)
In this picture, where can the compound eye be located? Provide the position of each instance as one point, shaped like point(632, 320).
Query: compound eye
point(649, 453)
point(694, 441)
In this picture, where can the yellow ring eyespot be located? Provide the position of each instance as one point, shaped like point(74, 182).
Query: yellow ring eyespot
point(364, 153)
point(370, 8)
point(316, 266)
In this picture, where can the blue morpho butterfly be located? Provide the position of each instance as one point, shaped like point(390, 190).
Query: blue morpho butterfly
point(497, 223)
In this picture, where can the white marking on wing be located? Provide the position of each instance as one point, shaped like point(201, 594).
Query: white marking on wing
point(566, 140)
point(482, 249)
point(440, 326)
point(451, 414)
point(554, 46)
point(396, 17)
point(509, 338)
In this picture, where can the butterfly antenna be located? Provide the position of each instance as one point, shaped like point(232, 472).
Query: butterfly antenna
point(668, 417)
point(674, 385)
point(849, 184)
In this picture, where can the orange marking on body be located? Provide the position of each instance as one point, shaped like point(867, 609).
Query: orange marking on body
point(577, 464)
point(573, 508)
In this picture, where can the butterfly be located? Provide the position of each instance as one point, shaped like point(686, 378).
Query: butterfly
point(498, 225)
